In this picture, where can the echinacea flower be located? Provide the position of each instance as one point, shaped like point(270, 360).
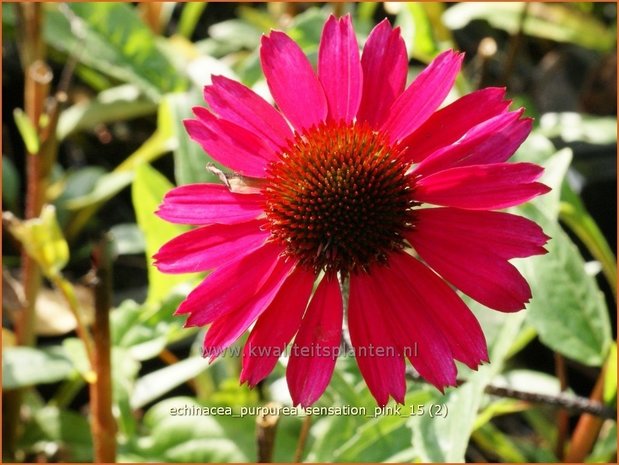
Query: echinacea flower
point(354, 178)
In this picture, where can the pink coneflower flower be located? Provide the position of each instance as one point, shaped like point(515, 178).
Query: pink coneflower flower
point(341, 175)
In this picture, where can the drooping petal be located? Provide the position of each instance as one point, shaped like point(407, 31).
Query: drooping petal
point(228, 328)
point(208, 247)
point(482, 187)
point(492, 141)
point(379, 358)
point(481, 274)
point(240, 105)
point(449, 312)
point(316, 345)
point(385, 64)
point(448, 124)
point(292, 81)
point(230, 144)
point(209, 203)
point(230, 286)
point(415, 330)
point(423, 96)
point(276, 327)
point(339, 68)
point(503, 234)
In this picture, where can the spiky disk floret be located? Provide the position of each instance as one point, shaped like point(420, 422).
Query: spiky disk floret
point(339, 198)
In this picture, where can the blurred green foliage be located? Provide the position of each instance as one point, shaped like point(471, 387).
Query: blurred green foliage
point(127, 72)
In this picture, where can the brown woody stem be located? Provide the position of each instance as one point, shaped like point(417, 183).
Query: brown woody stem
point(103, 425)
point(266, 427)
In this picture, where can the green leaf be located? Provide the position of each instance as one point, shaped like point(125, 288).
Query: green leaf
point(145, 330)
point(497, 408)
point(445, 439)
point(190, 15)
point(147, 192)
point(610, 378)
point(115, 104)
point(529, 380)
point(124, 373)
point(69, 431)
point(567, 309)
point(365, 16)
point(198, 438)
point(27, 366)
point(538, 149)
point(236, 34)
point(79, 182)
point(153, 385)
point(572, 127)
point(555, 169)
point(230, 392)
point(42, 239)
point(492, 440)
point(112, 183)
point(27, 131)
point(117, 42)
point(557, 22)
point(76, 353)
point(377, 439)
point(106, 187)
point(328, 434)
point(127, 239)
point(417, 30)
point(305, 29)
point(260, 19)
point(190, 160)
point(578, 219)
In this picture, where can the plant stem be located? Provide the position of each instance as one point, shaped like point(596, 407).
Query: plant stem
point(588, 427)
point(37, 80)
point(67, 392)
point(514, 45)
point(151, 15)
point(305, 427)
point(562, 414)
point(583, 225)
point(103, 425)
point(266, 427)
point(572, 403)
point(68, 292)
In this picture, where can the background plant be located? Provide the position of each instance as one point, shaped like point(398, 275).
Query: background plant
point(95, 94)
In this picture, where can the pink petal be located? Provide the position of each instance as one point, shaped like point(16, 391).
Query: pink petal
point(316, 346)
point(414, 328)
point(339, 68)
point(481, 274)
point(209, 203)
point(448, 124)
point(291, 79)
point(240, 105)
point(492, 141)
point(209, 246)
point(482, 187)
point(448, 311)
point(383, 372)
point(230, 144)
point(385, 64)
point(230, 286)
point(503, 234)
point(276, 327)
point(229, 327)
point(423, 96)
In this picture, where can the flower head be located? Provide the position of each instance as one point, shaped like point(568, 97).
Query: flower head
point(342, 175)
